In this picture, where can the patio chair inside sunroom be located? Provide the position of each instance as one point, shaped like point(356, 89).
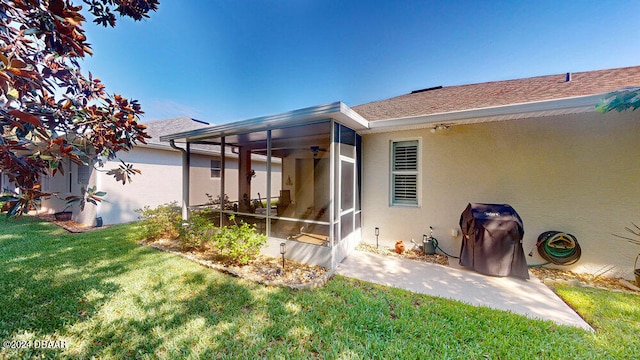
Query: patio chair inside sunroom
point(295, 176)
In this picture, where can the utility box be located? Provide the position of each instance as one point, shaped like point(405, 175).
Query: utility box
point(492, 240)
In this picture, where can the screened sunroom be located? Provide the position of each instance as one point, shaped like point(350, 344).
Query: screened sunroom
point(308, 195)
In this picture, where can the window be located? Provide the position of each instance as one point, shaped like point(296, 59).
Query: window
point(84, 172)
point(404, 172)
point(45, 183)
point(215, 168)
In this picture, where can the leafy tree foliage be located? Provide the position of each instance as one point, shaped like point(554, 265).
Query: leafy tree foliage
point(49, 109)
point(620, 101)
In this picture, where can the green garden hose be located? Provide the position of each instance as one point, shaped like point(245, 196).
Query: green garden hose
point(558, 247)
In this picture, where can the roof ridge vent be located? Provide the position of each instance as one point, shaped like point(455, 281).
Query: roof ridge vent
point(200, 121)
point(427, 89)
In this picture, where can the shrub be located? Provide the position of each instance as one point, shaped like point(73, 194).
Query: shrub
point(240, 243)
point(228, 205)
point(200, 229)
point(163, 221)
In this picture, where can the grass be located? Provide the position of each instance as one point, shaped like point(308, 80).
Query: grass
point(107, 297)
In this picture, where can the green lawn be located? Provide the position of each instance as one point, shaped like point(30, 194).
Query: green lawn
point(107, 297)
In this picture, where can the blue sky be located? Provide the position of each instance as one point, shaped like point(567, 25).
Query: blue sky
point(222, 61)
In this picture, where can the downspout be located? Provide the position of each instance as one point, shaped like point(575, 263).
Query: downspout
point(185, 180)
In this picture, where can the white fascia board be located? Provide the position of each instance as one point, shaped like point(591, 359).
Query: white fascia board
point(336, 110)
point(169, 148)
point(350, 118)
point(229, 154)
point(573, 105)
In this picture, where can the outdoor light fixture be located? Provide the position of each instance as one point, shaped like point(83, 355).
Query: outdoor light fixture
point(283, 249)
point(440, 127)
point(377, 233)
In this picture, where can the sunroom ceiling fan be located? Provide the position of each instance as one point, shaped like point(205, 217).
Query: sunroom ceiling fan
point(316, 149)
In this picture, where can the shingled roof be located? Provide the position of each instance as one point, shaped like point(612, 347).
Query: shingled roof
point(500, 93)
point(157, 128)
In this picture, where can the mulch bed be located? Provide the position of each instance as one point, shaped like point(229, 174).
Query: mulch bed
point(268, 270)
point(554, 277)
point(264, 270)
point(412, 254)
point(69, 225)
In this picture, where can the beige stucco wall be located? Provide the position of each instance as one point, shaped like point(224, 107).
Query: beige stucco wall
point(577, 173)
point(160, 182)
point(65, 185)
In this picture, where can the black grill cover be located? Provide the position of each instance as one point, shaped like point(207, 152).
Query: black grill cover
point(492, 240)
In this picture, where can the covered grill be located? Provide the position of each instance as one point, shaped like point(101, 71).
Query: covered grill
point(492, 240)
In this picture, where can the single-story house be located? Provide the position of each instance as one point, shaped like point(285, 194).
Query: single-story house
point(5, 184)
point(160, 180)
point(413, 161)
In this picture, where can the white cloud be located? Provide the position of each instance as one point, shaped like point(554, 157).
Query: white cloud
point(156, 109)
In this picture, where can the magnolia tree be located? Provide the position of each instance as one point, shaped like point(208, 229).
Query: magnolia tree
point(620, 100)
point(49, 109)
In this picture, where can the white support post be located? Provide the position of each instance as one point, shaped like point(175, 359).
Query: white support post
point(186, 182)
point(332, 196)
point(268, 220)
point(223, 170)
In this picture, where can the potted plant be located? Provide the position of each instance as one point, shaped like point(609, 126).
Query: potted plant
point(63, 215)
point(66, 213)
point(635, 239)
point(90, 195)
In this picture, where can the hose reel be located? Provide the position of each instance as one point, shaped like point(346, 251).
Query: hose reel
point(558, 247)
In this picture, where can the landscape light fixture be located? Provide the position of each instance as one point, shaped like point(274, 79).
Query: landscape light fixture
point(283, 249)
point(377, 233)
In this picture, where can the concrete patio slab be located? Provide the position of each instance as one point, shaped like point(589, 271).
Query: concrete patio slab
point(526, 297)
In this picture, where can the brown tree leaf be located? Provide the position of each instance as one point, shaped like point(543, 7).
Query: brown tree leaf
point(28, 118)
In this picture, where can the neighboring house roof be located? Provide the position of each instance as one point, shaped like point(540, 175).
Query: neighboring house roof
point(157, 128)
point(161, 128)
point(500, 93)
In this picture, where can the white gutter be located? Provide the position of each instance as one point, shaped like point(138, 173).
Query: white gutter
point(162, 147)
point(350, 118)
point(229, 154)
point(337, 110)
point(573, 105)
